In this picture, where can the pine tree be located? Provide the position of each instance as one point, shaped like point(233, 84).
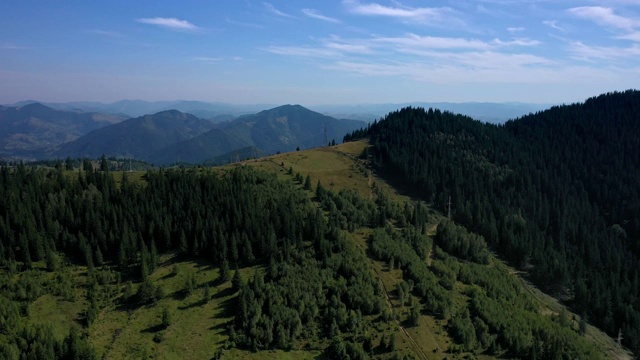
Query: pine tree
point(224, 270)
point(237, 282)
point(165, 318)
point(207, 293)
point(307, 183)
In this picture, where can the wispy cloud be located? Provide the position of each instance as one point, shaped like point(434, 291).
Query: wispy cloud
point(170, 23)
point(315, 14)
point(304, 51)
point(107, 33)
point(585, 52)
point(476, 67)
point(244, 24)
point(553, 24)
point(433, 16)
point(517, 42)
point(413, 44)
point(272, 9)
point(605, 16)
point(515, 29)
point(349, 48)
point(432, 42)
point(11, 46)
point(206, 59)
point(633, 36)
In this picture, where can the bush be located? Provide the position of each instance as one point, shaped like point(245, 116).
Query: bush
point(158, 337)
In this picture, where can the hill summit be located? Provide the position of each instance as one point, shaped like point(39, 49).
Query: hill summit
point(281, 129)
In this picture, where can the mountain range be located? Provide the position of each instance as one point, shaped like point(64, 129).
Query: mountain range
point(32, 130)
point(36, 131)
point(218, 111)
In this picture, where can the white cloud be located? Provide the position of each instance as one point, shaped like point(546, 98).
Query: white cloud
point(272, 9)
point(553, 24)
point(413, 40)
point(170, 23)
point(107, 33)
point(431, 42)
point(633, 36)
point(206, 59)
point(605, 16)
point(304, 51)
point(434, 16)
point(316, 15)
point(349, 48)
point(485, 67)
point(517, 42)
point(515, 29)
point(594, 53)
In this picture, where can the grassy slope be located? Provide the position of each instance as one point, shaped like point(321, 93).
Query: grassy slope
point(339, 167)
point(198, 329)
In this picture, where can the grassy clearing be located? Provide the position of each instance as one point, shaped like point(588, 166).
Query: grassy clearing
point(430, 337)
point(55, 312)
point(237, 354)
point(197, 327)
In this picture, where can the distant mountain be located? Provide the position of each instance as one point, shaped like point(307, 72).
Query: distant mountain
point(138, 137)
point(483, 111)
point(198, 149)
point(284, 128)
point(290, 126)
point(28, 131)
point(218, 111)
point(214, 111)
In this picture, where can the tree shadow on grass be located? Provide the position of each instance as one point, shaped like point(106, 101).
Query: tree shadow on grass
point(193, 305)
point(153, 329)
point(222, 326)
point(224, 293)
point(228, 308)
point(168, 276)
point(179, 295)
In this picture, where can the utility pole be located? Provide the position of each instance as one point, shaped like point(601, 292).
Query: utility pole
point(620, 337)
point(449, 208)
point(326, 142)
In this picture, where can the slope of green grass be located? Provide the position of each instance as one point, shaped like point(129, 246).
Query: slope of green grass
point(198, 328)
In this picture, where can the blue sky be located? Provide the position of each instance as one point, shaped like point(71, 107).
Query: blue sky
point(318, 52)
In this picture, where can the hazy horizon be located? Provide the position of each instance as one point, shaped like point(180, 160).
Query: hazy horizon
point(319, 53)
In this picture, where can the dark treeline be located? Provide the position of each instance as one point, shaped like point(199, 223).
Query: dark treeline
point(317, 285)
point(556, 193)
point(237, 218)
point(312, 282)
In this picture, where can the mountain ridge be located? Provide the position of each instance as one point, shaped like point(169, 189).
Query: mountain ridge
point(137, 137)
point(554, 192)
point(33, 129)
point(281, 129)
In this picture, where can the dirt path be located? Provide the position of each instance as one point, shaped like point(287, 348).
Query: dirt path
point(414, 344)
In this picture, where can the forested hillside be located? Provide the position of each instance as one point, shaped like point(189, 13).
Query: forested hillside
point(556, 193)
point(138, 137)
point(239, 219)
point(306, 252)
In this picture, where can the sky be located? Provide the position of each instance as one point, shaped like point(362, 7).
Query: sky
point(318, 52)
